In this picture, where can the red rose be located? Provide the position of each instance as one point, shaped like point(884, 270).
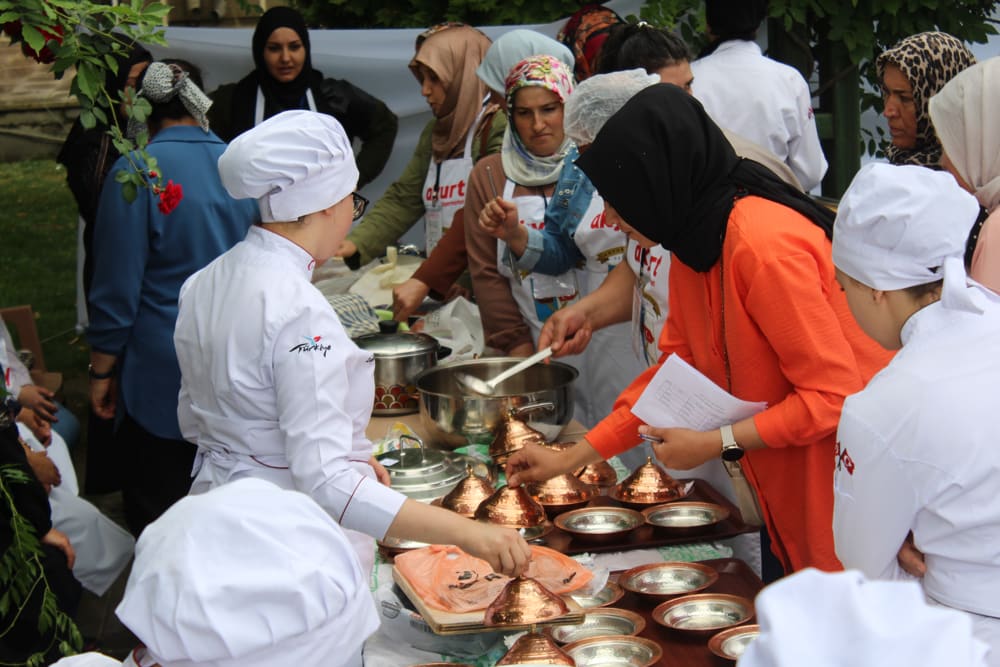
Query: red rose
point(13, 29)
point(170, 197)
point(45, 56)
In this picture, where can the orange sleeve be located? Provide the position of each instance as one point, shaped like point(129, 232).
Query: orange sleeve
point(791, 302)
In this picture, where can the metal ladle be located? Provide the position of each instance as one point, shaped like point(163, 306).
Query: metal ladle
point(488, 387)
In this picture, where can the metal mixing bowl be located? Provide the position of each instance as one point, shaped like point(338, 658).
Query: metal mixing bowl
point(452, 417)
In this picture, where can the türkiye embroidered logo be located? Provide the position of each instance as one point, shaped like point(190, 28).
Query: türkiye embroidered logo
point(311, 345)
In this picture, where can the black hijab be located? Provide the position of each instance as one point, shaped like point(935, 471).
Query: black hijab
point(278, 96)
point(671, 174)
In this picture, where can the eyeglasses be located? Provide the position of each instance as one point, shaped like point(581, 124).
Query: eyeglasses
point(360, 205)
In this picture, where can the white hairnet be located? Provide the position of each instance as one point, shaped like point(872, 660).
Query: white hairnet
point(598, 98)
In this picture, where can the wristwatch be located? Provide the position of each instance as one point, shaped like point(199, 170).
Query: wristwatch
point(94, 375)
point(731, 450)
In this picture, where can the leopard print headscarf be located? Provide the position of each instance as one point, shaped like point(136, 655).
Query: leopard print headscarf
point(928, 60)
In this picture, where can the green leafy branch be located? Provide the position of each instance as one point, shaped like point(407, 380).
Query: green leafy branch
point(90, 38)
point(22, 578)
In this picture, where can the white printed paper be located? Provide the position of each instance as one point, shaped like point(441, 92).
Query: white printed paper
point(679, 396)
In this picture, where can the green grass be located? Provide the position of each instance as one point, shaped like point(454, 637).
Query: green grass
point(38, 260)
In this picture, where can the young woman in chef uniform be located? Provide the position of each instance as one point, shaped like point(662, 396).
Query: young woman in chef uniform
point(917, 458)
point(272, 387)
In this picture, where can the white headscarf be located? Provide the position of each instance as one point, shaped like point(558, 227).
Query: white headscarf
point(964, 117)
point(839, 619)
point(162, 82)
point(293, 164)
point(901, 226)
point(247, 575)
point(511, 48)
point(598, 98)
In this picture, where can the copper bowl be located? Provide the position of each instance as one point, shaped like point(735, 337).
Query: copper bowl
point(704, 614)
point(732, 643)
point(535, 649)
point(524, 601)
point(600, 622)
point(600, 525)
point(658, 581)
point(561, 494)
point(511, 507)
point(468, 494)
point(610, 594)
point(615, 651)
point(684, 516)
point(648, 485)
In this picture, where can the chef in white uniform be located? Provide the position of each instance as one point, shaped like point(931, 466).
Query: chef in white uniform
point(917, 449)
point(271, 385)
point(247, 574)
point(758, 98)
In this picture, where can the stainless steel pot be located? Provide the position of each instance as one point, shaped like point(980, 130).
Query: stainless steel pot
point(399, 359)
point(452, 417)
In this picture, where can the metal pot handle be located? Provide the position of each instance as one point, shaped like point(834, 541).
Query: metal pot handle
point(521, 410)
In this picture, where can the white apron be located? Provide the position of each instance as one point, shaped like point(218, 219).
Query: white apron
point(609, 362)
point(258, 111)
point(649, 300)
point(538, 295)
point(445, 189)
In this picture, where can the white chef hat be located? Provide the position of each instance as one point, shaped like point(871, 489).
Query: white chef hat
point(91, 659)
point(824, 619)
point(294, 163)
point(247, 574)
point(598, 98)
point(901, 226)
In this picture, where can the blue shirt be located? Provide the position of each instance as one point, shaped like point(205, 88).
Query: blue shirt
point(141, 258)
point(552, 249)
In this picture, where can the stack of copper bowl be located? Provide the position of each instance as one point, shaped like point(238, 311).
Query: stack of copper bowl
point(648, 485)
point(468, 494)
point(514, 508)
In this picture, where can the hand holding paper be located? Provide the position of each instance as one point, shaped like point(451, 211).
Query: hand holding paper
point(680, 396)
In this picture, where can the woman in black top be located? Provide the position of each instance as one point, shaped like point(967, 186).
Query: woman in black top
point(284, 79)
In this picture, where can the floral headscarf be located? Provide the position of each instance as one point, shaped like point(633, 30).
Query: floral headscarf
point(928, 60)
point(520, 165)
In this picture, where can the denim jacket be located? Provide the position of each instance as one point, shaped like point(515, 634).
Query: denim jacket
point(552, 250)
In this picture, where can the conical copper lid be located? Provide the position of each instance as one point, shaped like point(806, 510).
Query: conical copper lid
point(468, 494)
point(599, 474)
point(562, 490)
point(536, 649)
point(524, 601)
point(512, 435)
point(648, 484)
point(511, 507)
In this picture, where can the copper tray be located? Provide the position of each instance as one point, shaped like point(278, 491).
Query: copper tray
point(679, 650)
point(648, 537)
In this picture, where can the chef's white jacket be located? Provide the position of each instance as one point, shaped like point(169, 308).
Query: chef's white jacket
point(918, 451)
point(764, 101)
point(272, 387)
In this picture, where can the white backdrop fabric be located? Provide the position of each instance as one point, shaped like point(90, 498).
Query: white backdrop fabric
point(374, 60)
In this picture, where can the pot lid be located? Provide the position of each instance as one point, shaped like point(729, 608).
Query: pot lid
point(388, 345)
point(427, 475)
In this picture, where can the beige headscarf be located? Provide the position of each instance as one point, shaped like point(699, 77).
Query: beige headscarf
point(453, 54)
point(963, 114)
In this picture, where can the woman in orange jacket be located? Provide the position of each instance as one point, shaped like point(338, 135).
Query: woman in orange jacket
point(754, 306)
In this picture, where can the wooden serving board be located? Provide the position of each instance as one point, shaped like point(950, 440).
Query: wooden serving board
point(450, 623)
